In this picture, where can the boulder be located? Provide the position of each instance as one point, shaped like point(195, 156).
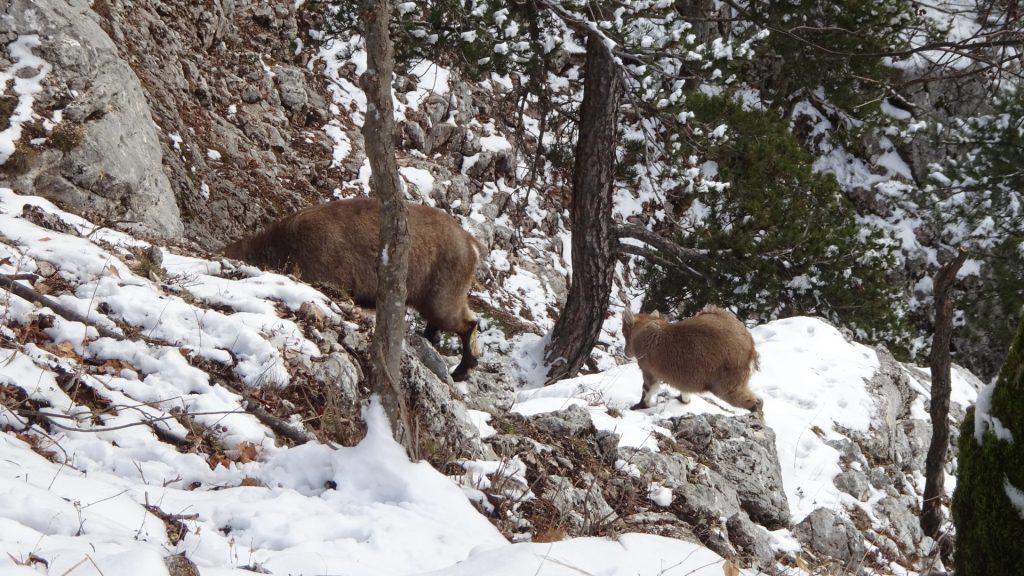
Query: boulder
point(742, 451)
point(115, 168)
point(828, 534)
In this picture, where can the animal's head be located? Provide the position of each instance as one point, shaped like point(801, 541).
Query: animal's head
point(632, 323)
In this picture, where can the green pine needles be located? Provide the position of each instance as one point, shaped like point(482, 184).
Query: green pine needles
point(782, 239)
point(989, 527)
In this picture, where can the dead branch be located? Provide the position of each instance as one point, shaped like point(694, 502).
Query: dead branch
point(8, 283)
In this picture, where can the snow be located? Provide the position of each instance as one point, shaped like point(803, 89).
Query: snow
point(984, 421)
point(1015, 495)
point(26, 85)
point(86, 498)
point(628, 555)
point(366, 509)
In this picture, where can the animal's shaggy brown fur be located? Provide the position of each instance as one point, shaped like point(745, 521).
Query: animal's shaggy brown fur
point(710, 352)
point(337, 243)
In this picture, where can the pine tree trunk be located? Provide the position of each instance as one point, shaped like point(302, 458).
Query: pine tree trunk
point(393, 260)
point(935, 464)
point(593, 239)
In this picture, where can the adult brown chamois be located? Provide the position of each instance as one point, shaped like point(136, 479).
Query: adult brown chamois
point(337, 243)
point(710, 352)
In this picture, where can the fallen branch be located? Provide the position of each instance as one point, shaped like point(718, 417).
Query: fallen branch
point(8, 283)
point(279, 426)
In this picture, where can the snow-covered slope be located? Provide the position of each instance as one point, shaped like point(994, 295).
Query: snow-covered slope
point(98, 475)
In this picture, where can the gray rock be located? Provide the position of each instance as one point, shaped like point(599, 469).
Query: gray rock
point(440, 136)
point(179, 565)
point(291, 87)
point(878, 479)
point(670, 469)
point(443, 418)
point(430, 357)
point(904, 527)
point(662, 523)
point(116, 171)
point(203, 82)
point(416, 138)
point(583, 509)
point(437, 108)
point(339, 371)
point(48, 220)
point(894, 436)
point(743, 452)
point(572, 421)
point(828, 534)
point(471, 144)
point(491, 386)
point(751, 541)
point(705, 497)
point(483, 168)
point(854, 483)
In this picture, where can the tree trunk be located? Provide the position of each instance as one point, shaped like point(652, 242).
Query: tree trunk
point(593, 238)
point(935, 464)
point(393, 259)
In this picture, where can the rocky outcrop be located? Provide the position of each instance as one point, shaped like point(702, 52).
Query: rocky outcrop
point(102, 155)
point(184, 121)
point(239, 112)
point(742, 451)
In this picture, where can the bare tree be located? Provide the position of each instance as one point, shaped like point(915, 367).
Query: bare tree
point(593, 239)
point(935, 463)
point(393, 260)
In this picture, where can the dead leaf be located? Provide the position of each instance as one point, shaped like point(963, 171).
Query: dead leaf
point(246, 452)
point(113, 271)
point(218, 459)
point(115, 366)
point(730, 568)
point(65, 350)
point(42, 287)
point(250, 482)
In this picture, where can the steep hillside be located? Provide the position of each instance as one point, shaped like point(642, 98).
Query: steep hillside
point(162, 407)
point(203, 408)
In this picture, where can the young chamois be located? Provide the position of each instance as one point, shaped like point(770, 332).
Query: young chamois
point(710, 352)
point(337, 243)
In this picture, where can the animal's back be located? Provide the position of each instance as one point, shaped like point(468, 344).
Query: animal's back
point(338, 243)
point(715, 340)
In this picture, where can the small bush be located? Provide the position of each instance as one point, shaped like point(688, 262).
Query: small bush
point(22, 160)
point(66, 136)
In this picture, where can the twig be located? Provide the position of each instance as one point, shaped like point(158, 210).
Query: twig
point(7, 282)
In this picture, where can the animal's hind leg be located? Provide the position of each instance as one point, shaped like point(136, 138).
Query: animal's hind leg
point(650, 386)
point(470, 351)
point(743, 397)
point(433, 334)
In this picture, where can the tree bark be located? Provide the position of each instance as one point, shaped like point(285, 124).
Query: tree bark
point(593, 237)
point(393, 259)
point(935, 463)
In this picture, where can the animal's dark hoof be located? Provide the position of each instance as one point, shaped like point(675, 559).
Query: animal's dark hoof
point(460, 375)
point(639, 406)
